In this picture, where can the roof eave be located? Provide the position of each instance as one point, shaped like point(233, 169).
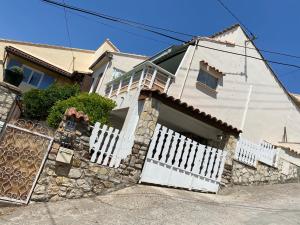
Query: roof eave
point(190, 110)
point(19, 53)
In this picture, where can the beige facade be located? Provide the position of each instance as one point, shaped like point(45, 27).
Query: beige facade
point(68, 60)
point(249, 96)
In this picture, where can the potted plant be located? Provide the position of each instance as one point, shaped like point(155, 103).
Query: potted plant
point(14, 75)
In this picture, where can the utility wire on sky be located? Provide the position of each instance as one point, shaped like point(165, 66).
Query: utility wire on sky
point(237, 19)
point(143, 27)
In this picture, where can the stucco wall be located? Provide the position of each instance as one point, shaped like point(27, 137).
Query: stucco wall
point(119, 61)
point(269, 109)
point(58, 78)
point(58, 56)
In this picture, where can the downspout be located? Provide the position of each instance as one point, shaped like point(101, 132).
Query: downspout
point(188, 70)
point(246, 108)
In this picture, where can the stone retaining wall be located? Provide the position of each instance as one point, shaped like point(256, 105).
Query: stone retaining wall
point(8, 95)
point(81, 178)
point(264, 174)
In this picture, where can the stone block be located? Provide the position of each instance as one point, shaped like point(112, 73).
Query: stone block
point(40, 189)
point(108, 184)
point(76, 162)
point(75, 173)
point(84, 185)
point(102, 177)
point(55, 146)
point(138, 166)
point(75, 193)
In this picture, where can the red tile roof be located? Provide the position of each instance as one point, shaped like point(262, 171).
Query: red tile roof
point(190, 110)
point(212, 67)
point(79, 115)
point(225, 30)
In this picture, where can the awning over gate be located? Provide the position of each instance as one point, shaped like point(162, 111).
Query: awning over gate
point(189, 110)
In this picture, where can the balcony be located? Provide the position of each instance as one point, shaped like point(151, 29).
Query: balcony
point(146, 75)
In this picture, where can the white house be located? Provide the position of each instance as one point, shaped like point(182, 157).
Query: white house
point(238, 90)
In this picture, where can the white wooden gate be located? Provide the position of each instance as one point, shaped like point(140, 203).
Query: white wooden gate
point(104, 141)
point(177, 161)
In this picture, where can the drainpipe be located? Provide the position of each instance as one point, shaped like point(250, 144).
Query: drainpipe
point(188, 70)
point(246, 108)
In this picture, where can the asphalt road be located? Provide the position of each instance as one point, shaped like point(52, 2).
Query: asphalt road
point(270, 204)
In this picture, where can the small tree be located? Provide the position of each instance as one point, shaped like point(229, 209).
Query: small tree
point(37, 103)
point(95, 106)
point(14, 75)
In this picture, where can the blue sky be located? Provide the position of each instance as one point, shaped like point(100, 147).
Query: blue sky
point(274, 22)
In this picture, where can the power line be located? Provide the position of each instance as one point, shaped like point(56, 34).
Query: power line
point(162, 34)
point(69, 36)
point(131, 23)
point(234, 16)
point(117, 18)
point(249, 56)
point(118, 28)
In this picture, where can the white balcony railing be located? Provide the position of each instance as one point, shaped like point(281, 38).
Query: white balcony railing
point(146, 75)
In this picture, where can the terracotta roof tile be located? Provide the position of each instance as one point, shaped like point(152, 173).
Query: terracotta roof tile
point(225, 30)
point(212, 67)
point(79, 115)
point(190, 110)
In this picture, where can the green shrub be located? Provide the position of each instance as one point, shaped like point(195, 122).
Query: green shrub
point(95, 106)
point(14, 75)
point(37, 103)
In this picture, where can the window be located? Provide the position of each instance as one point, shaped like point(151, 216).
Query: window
point(32, 76)
point(207, 79)
point(46, 81)
point(12, 63)
point(117, 73)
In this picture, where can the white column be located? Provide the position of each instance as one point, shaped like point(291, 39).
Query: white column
point(111, 89)
point(130, 82)
point(142, 77)
point(167, 84)
point(120, 86)
point(153, 78)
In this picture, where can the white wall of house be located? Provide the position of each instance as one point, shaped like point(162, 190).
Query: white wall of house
point(269, 108)
point(121, 61)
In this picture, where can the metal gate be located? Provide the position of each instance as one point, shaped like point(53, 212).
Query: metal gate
point(177, 161)
point(23, 150)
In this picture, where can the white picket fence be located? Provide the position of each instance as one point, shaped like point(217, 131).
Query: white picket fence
point(249, 153)
point(103, 144)
point(175, 160)
point(268, 154)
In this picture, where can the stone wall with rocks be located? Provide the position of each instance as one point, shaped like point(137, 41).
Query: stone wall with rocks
point(264, 174)
point(82, 178)
point(143, 134)
point(229, 144)
point(8, 96)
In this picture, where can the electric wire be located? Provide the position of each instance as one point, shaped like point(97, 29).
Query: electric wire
point(237, 19)
point(164, 35)
point(68, 34)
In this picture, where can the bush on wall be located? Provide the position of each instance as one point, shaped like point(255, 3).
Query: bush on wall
point(37, 103)
point(14, 75)
point(95, 106)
